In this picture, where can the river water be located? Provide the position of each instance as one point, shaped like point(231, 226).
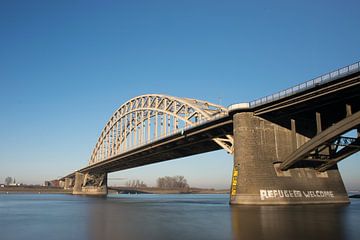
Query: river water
point(151, 216)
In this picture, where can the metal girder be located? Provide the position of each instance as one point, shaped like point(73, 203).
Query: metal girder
point(329, 137)
point(94, 180)
point(346, 142)
point(226, 143)
point(333, 150)
point(149, 117)
point(334, 157)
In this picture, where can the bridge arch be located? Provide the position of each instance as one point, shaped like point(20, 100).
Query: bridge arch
point(150, 117)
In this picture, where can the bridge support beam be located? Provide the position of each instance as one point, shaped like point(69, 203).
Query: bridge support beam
point(90, 184)
point(259, 148)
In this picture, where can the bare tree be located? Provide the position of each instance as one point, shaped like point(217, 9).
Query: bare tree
point(172, 182)
point(135, 184)
point(8, 180)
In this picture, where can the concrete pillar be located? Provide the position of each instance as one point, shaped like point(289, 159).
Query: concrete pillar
point(79, 179)
point(259, 147)
point(62, 184)
point(90, 184)
point(68, 183)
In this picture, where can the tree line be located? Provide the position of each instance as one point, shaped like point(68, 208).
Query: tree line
point(9, 180)
point(135, 184)
point(172, 182)
point(167, 182)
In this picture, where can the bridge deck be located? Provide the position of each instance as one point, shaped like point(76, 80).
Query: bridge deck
point(198, 139)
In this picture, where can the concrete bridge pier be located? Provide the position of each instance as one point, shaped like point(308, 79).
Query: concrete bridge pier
point(68, 183)
point(62, 184)
point(259, 148)
point(90, 184)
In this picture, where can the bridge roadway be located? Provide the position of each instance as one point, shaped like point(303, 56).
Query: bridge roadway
point(198, 139)
point(301, 113)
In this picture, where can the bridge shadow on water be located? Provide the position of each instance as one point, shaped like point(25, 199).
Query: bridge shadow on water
point(193, 217)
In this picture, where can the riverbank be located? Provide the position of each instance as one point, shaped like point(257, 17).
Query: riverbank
point(154, 190)
point(120, 190)
point(33, 189)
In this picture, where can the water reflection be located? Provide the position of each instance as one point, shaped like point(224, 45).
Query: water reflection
point(58, 217)
point(161, 217)
point(289, 222)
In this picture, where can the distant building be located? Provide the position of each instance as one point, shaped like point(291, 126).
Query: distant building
point(14, 183)
point(53, 183)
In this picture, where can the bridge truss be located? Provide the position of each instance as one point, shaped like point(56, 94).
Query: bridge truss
point(329, 146)
point(151, 117)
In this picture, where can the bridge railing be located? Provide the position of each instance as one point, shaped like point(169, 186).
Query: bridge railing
point(308, 85)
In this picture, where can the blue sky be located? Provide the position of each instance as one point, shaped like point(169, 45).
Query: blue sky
point(66, 66)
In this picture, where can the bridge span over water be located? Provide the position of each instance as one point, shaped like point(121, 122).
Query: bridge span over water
point(286, 146)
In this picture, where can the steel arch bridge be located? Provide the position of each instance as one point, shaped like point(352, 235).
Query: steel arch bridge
point(285, 146)
point(147, 118)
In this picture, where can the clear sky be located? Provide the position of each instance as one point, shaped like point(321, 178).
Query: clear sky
point(66, 66)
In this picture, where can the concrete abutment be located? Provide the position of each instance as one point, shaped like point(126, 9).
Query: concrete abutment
point(90, 184)
point(259, 148)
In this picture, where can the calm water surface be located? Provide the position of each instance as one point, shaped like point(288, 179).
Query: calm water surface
point(25, 216)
